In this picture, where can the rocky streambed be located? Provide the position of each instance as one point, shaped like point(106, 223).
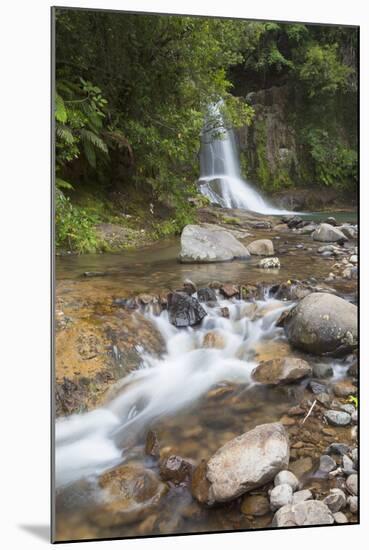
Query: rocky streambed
point(199, 404)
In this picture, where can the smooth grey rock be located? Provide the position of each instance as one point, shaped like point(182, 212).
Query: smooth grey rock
point(336, 500)
point(309, 512)
point(337, 418)
point(322, 323)
point(261, 247)
point(339, 517)
point(354, 455)
point(203, 245)
point(247, 462)
point(280, 496)
point(353, 503)
point(327, 464)
point(317, 387)
point(351, 484)
point(286, 477)
point(348, 465)
point(328, 233)
point(301, 496)
point(349, 231)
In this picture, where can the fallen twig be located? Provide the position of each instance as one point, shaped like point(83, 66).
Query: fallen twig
point(309, 413)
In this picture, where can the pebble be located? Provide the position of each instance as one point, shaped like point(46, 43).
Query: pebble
point(351, 484)
point(269, 263)
point(280, 496)
point(338, 418)
point(327, 464)
point(286, 477)
point(322, 371)
point(354, 417)
point(352, 501)
point(255, 505)
point(348, 465)
point(336, 500)
point(339, 517)
point(354, 455)
point(317, 387)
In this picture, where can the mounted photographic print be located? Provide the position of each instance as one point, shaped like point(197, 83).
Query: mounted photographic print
point(205, 188)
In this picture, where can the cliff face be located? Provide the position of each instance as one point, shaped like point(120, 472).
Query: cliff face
point(269, 152)
point(294, 144)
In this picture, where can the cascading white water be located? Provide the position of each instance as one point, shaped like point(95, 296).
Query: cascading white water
point(89, 443)
point(220, 173)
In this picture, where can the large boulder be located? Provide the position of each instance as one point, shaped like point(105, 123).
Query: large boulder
point(309, 512)
point(243, 464)
point(328, 234)
point(261, 247)
point(281, 371)
point(322, 323)
point(131, 492)
point(184, 310)
point(202, 245)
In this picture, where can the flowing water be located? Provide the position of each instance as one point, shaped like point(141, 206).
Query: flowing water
point(220, 173)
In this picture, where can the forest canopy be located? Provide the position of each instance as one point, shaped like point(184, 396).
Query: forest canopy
point(132, 92)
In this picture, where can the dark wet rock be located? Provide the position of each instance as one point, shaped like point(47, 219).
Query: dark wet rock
point(189, 286)
point(338, 449)
point(291, 290)
point(261, 247)
point(336, 500)
point(132, 493)
point(331, 221)
point(338, 418)
point(184, 310)
point(280, 496)
point(214, 339)
point(322, 323)
point(352, 484)
point(310, 512)
point(229, 290)
point(322, 370)
point(207, 295)
point(244, 463)
point(294, 221)
point(224, 312)
point(344, 388)
point(301, 496)
point(152, 447)
point(327, 464)
point(203, 245)
point(281, 371)
point(340, 517)
point(176, 469)
point(317, 387)
point(255, 505)
point(328, 233)
point(200, 485)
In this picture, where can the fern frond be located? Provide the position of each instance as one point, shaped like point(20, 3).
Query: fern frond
point(60, 110)
point(90, 137)
point(62, 184)
point(64, 134)
point(90, 153)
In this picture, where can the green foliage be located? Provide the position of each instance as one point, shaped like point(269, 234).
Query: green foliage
point(175, 225)
point(322, 70)
point(74, 227)
point(353, 399)
point(335, 165)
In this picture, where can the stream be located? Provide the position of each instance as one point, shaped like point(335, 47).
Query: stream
point(195, 395)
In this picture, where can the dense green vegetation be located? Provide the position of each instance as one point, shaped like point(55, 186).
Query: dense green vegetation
point(132, 92)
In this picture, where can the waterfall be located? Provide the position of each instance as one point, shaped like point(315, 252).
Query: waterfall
point(220, 173)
